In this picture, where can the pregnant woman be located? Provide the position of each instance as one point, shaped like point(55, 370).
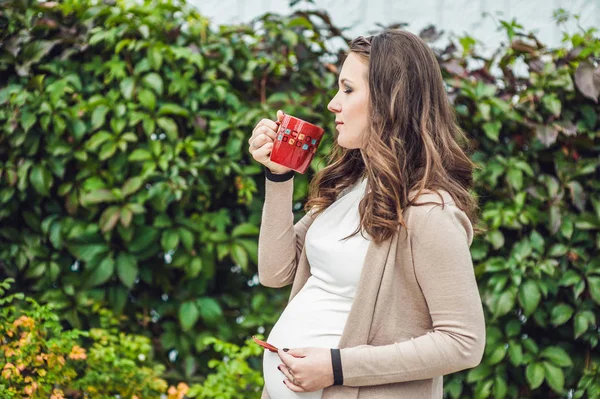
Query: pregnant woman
point(384, 300)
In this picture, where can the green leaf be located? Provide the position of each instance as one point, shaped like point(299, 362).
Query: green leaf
point(239, 255)
point(561, 314)
point(187, 238)
point(500, 387)
point(132, 185)
point(515, 353)
point(210, 310)
point(557, 355)
point(552, 104)
point(140, 155)
point(127, 86)
point(492, 130)
point(515, 178)
point(27, 120)
point(581, 325)
point(102, 273)
point(569, 278)
point(155, 82)
point(136, 209)
point(245, 229)
point(147, 99)
point(594, 287)
point(496, 238)
point(558, 250)
point(251, 247)
point(143, 238)
point(36, 270)
point(193, 268)
point(97, 139)
point(504, 303)
point(513, 328)
point(99, 116)
point(87, 252)
point(99, 196)
point(169, 126)
point(535, 375)
point(107, 150)
point(555, 377)
point(149, 126)
point(126, 216)
point(155, 55)
point(173, 109)
point(109, 218)
point(162, 220)
point(498, 353)
point(188, 315)
point(127, 269)
point(41, 179)
point(479, 373)
point(529, 296)
point(170, 239)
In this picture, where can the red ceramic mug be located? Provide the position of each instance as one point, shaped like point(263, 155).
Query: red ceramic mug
point(296, 143)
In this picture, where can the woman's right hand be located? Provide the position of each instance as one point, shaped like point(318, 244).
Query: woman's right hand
point(261, 143)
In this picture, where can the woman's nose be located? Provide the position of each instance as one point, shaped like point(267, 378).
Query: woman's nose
point(333, 106)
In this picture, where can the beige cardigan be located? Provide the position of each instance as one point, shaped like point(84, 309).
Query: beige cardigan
point(417, 314)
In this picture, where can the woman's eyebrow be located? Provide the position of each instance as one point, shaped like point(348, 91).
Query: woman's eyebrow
point(345, 80)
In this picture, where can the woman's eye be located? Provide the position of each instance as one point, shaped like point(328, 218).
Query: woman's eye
point(348, 90)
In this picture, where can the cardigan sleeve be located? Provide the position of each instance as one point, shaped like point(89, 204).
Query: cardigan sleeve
point(444, 271)
point(280, 241)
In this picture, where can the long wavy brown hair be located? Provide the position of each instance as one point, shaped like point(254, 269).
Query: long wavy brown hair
point(414, 142)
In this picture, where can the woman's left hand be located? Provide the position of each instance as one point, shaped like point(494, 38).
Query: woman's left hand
point(310, 367)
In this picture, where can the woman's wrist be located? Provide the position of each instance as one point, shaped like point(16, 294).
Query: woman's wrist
point(278, 177)
point(336, 364)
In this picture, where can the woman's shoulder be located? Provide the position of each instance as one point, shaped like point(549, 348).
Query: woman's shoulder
point(431, 197)
point(437, 210)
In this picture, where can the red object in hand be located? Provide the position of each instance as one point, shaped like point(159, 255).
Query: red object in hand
point(269, 346)
point(296, 143)
point(265, 345)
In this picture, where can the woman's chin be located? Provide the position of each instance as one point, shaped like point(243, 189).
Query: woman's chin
point(342, 142)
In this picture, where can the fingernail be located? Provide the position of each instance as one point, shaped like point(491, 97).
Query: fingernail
point(278, 368)
point(284, 383)
point(285, 349)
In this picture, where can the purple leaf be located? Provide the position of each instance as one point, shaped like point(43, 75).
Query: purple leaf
point(587, 79)
point(546, 134)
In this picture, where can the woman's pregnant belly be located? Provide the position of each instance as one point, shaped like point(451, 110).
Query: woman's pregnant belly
point(314, 318)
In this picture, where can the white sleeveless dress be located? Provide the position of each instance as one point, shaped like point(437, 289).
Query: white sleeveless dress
point(316, 316)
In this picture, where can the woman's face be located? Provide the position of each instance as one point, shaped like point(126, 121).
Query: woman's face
point(351, 103)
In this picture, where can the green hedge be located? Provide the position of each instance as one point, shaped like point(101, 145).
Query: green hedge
point(125, 178)
point(42, 360)
point(538, 266)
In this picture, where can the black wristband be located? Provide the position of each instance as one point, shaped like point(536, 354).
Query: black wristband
point(336, 362)
point(278, 177)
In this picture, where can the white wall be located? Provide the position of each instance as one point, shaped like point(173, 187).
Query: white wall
point(453, 16)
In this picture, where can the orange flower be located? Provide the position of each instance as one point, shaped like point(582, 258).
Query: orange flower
point(179, 392)
point(77, 353)
point(30, 389)
point(182, 386)
point(24, 321)
point(9, 369)
point(57, 394)
point(172, 392)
